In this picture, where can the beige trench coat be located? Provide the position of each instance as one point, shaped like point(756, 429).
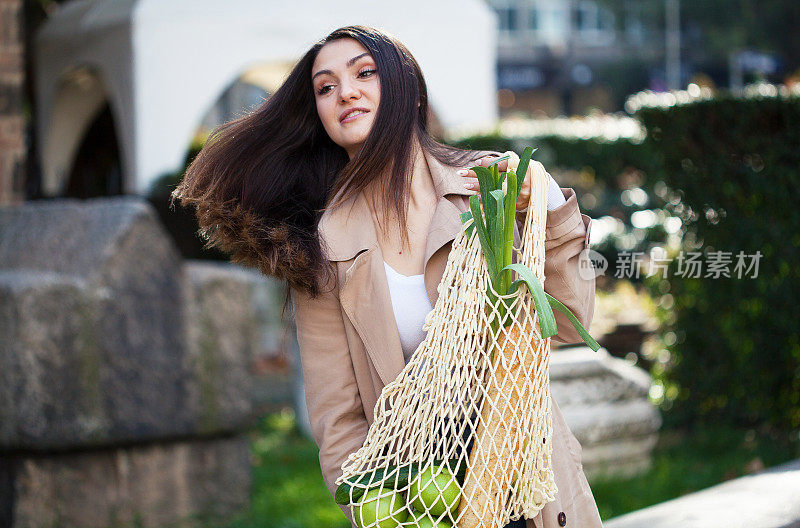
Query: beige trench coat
point(350, 347)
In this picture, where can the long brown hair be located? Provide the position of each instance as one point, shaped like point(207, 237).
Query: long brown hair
point(262, 181)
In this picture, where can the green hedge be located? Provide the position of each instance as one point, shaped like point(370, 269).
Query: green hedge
point(733, 167)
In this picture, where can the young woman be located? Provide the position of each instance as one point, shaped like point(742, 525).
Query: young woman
point(335, 185)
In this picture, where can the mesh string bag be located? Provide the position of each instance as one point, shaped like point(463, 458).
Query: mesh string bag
point(463, 435)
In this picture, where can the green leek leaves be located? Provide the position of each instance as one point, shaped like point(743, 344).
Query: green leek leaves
point(495, 227)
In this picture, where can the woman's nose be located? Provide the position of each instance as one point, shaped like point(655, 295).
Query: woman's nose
point(348, 91)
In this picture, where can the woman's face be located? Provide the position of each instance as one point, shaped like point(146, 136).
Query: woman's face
point(345, 78)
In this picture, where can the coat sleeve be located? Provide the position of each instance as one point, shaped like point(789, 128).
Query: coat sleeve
point(335, 411)
point(566, 235)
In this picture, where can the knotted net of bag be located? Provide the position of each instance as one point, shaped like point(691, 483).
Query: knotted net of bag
point(463, 435)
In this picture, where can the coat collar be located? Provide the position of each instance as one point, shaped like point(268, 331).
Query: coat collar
point(348, 232)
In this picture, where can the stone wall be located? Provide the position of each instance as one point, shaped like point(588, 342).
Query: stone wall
point(126, 374)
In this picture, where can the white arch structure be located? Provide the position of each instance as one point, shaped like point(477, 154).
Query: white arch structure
point(162, 64)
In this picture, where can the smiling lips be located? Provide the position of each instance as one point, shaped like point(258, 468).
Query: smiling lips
point(352, 114)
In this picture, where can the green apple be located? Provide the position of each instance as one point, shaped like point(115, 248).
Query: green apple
point(382, 508)
point(435, 490)
point(423, 520)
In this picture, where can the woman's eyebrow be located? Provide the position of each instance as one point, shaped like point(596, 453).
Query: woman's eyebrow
point(349, 63)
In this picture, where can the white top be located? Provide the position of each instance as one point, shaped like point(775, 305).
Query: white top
point(411, 304)
point(555, 198)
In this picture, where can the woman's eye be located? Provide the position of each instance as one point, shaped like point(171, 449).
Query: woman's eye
point(363, 73)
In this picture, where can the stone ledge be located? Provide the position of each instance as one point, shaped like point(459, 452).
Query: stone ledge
point(770, 499)
point(582, 362)
point(620, 457)
point(605, 404)
point(601, 422)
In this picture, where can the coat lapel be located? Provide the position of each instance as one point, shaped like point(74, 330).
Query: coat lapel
point(348, 232)
point(445, 224)
point(366, 301)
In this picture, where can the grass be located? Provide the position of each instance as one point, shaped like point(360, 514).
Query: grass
point(288, 491)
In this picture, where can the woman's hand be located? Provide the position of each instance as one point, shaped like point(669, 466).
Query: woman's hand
point(471, 179)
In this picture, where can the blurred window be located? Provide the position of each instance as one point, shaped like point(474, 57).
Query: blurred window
point(594, 25)
point(533, 18)
point(634, 28)
point(507, 15)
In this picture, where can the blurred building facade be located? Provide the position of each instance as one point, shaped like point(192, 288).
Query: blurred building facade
point(551, 55)
point(122, 87)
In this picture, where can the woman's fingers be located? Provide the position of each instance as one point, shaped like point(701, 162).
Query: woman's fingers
point(471, 180)
point(524, 198)
point(488, 160)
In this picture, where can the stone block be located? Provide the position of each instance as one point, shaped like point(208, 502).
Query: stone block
point(104, 359)
point(232, 320)
point(605, 405)
point(109, 339)
point(50, 364)
point(150, 485)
